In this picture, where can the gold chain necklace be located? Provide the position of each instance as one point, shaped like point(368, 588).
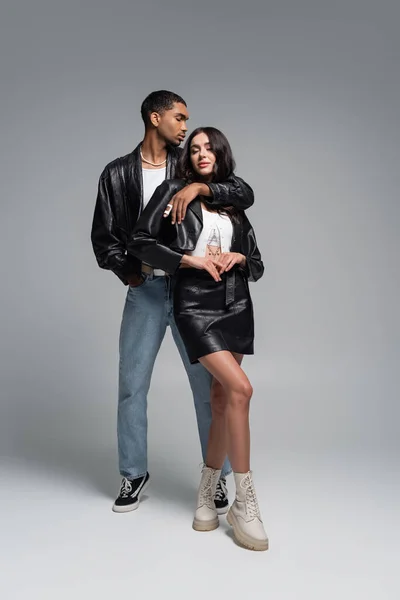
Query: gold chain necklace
point(151, 163)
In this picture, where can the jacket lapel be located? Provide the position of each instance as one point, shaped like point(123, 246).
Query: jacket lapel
point(188, 233)
point(195, 207)
point(171, 163)
point(136, 176)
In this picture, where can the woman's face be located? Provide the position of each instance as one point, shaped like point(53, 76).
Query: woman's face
point(201, 156)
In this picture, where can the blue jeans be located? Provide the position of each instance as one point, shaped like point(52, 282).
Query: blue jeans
point(147, 313)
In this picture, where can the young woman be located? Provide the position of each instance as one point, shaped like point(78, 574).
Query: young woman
point(212, 255)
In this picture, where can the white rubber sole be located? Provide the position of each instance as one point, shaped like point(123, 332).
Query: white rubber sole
point(205, 525)
point(243, 539)
point(222, 511)
point(131, 507)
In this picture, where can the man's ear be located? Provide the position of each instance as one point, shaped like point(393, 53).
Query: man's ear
point(155, 119)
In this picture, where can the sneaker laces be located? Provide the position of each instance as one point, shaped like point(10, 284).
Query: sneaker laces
point(221, 491)
point(252, 508)
point(126, 488)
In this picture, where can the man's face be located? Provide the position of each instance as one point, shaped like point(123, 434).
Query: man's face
point(171, 124)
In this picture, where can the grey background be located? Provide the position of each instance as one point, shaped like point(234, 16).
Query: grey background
point(308, 95)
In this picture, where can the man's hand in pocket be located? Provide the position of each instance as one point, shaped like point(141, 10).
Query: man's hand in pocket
point(135, 280)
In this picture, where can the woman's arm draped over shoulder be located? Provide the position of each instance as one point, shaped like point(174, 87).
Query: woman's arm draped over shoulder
point(146, 240)
point(254, 265)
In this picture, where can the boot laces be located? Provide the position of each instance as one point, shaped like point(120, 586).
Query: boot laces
point(206, 491)
point(252, 508)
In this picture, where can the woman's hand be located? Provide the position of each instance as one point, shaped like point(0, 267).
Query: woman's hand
point(227, 260)
point(201, 263)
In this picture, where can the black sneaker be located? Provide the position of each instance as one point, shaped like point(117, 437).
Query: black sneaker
point(221, 497)
point(130, 493)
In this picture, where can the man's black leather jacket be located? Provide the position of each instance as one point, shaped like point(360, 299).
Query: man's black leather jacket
point(120, 202)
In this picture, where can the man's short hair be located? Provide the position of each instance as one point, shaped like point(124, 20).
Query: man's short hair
point(159, 102)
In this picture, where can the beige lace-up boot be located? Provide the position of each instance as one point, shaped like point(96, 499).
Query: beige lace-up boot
point(244, 514)
point(206, 517)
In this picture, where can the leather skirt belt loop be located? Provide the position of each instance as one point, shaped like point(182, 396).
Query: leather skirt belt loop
point(230, 282)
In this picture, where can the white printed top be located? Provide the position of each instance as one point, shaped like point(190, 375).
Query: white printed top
point(216, 235)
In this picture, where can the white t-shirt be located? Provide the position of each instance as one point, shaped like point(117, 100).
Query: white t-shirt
point(216, 235)
point(152, 178)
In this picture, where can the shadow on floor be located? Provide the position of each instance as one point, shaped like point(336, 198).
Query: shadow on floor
point(95, 467)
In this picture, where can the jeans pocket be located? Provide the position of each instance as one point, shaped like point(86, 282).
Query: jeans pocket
point(145, 277)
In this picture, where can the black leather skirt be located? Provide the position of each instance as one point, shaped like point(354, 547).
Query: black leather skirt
point(213, 316)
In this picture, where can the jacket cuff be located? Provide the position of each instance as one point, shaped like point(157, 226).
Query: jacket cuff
point(129, 266)
point(215, 190)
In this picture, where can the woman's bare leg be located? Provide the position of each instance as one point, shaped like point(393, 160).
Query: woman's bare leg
point(238, 391)
point(244, 514)
point(217, 441)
